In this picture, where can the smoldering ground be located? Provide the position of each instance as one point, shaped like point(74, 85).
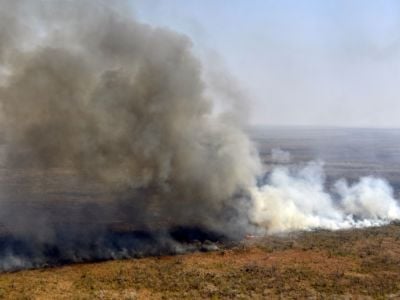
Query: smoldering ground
point(112, 148)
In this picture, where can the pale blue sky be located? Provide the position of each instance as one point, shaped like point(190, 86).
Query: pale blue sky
point(326, 62)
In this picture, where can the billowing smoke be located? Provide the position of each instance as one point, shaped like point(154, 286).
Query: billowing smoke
point(96, 105)
point(112, 148)
point(296, 199)
point(121, 103)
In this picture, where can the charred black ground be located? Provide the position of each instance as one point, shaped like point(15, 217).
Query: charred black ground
point(114, 242)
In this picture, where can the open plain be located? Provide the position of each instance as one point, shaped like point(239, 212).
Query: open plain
point(320, 264)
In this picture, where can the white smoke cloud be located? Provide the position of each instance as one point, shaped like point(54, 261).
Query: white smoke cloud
point(296, 199)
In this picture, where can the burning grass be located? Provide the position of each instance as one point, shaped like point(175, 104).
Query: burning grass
point(319, 264)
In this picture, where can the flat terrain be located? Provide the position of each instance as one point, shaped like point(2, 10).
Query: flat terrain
point(346, 152)
point(353, 264)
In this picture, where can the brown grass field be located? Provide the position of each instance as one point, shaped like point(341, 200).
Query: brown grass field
point(351, 264)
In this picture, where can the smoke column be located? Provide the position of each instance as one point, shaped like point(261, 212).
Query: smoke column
point(121, 103)
point(116, 111)
point(119, 108)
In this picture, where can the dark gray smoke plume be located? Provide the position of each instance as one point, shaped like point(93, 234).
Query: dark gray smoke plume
point(106, 120)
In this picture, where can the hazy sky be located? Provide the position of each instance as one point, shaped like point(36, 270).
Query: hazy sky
point(301, 62)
